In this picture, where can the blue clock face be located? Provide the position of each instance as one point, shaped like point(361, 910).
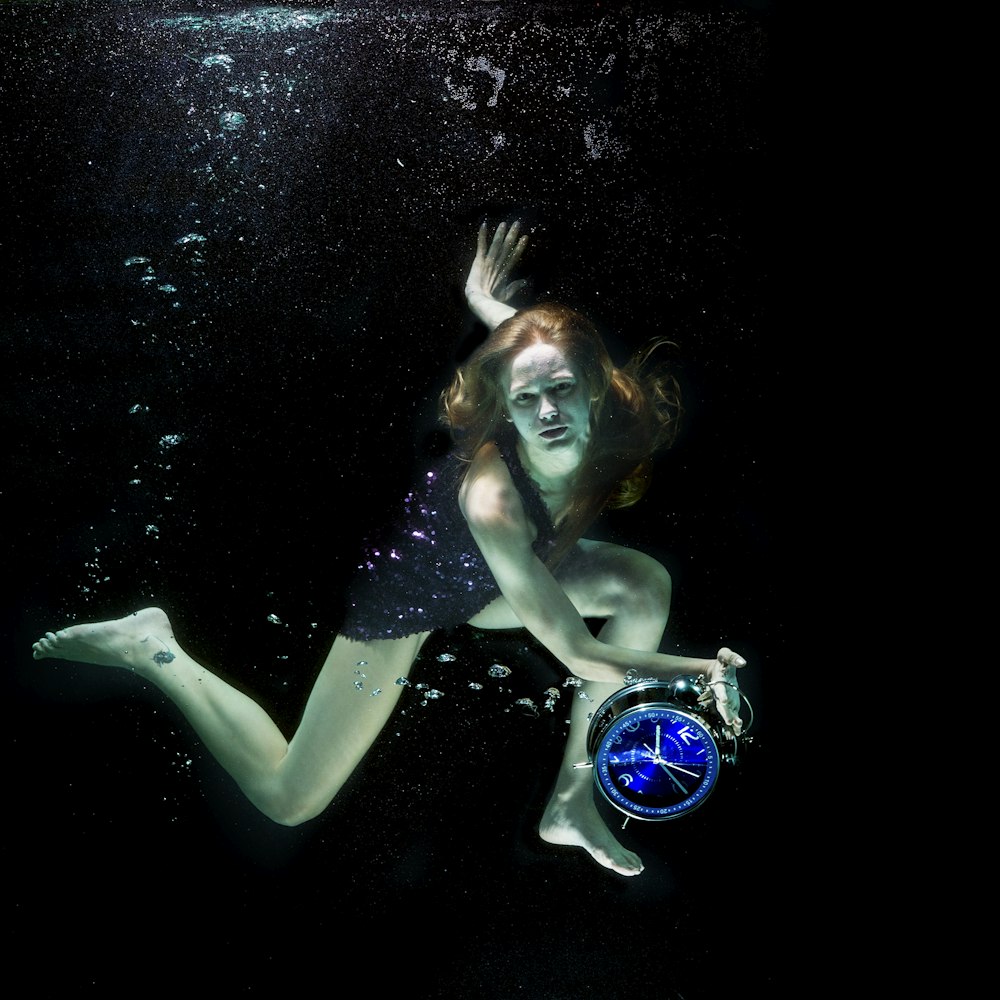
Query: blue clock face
point(656, 762)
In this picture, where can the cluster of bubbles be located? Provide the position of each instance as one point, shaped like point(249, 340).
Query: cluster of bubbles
point(632, 676)
point(254, 20)
point(495, 671)
point(359, 684)
point(154, 475)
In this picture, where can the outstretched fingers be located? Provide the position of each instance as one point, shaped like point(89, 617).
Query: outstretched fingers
point(723, 689)
point(504, 253)
point(729, 658)
point(503, 240)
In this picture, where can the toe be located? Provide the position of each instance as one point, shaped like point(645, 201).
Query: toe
point(623, 862)
point(631, 867)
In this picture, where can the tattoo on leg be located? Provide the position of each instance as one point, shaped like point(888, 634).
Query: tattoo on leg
point(164, 655)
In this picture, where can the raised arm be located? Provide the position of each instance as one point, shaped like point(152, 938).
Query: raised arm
point(488, 288)
point(504, 535)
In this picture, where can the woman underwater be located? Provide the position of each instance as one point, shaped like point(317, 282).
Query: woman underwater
point(548, 432)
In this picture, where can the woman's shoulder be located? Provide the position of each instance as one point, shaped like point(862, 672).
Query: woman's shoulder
point(488, 493)
point(487, 472)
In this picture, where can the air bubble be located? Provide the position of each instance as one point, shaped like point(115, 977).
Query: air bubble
point(232, 120)
point(499, 670)
point(446, 658)
point(226, 62)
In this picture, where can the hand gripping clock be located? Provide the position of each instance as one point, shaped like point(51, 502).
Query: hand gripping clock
point(654, 748)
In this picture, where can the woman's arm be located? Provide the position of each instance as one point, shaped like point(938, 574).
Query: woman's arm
point(501, 529)
point(487, 288)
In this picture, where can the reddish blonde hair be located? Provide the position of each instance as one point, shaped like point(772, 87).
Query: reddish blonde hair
point(633, 412)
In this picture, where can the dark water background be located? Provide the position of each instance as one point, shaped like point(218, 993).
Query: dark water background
point(234, 251)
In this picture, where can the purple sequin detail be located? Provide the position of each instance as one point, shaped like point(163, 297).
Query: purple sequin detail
point(433, 574)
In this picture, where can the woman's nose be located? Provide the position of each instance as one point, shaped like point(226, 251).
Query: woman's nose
point(547, 409)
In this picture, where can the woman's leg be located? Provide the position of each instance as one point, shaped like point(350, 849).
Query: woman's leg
point(289, 781)
point(631, 591)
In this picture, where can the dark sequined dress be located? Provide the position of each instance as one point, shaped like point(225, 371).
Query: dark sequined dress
point(428, 573)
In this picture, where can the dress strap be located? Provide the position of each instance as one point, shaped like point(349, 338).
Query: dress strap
point(534, 505)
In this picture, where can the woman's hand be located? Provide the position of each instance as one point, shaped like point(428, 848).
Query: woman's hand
point(723, 689)
point(488, 287)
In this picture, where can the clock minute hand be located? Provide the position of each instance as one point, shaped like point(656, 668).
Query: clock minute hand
point(677, 767)
point(671, 777)
point(657, 759)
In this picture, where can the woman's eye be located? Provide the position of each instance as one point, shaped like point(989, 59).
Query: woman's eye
point(523, 397)
point(564, 387)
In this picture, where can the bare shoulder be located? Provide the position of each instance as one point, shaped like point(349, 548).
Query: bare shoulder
point(488, 497)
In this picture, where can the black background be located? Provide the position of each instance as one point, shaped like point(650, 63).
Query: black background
point(217, 439)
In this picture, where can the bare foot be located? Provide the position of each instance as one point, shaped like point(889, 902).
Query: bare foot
point(571, 819)
point(138, 641)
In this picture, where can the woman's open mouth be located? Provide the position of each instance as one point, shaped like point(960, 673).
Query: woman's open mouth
point(553, 433)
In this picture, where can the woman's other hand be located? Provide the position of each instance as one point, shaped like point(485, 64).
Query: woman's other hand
point(488, 287)
point(723, 689)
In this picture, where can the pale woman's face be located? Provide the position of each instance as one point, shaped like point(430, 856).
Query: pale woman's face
point(547, 400)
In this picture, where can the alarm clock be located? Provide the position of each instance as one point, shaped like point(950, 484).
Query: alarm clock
point(655, 750)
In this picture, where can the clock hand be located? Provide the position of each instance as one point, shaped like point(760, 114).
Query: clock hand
point(657, 759)
point(677, 767)
point(657, 739)
point(673, 779)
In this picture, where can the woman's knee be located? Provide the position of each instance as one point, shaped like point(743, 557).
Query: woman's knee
point(294, 817)
point(285, 798)
point(618, 579)
point(292, 810)
point(643, 584)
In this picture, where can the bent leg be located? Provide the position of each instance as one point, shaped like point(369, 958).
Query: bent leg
point(340, 722)
point(288, 781)
point(631, 591)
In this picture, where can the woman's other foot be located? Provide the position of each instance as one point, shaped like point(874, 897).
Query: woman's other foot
point(140, 641)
